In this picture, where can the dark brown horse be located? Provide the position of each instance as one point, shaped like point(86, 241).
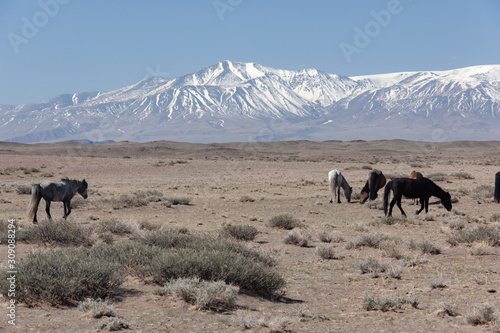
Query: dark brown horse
point(422, 188)
point(497, 187)
point(416, 174)
point(376, 180)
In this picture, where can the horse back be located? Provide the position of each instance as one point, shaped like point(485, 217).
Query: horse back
point(413, 188)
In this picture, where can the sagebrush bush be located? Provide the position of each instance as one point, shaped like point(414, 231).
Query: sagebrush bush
point(284, 221)
point(371, 303)
point(481, 315)
point(23, 189)
point(485, 234)
point(482, 192)
point(240, 232)
point(115, 227)
point(63, 276)
point(325, 251)
point(174, 239)
point(299, 237)
point(112, 324)
point(424, 246)
point(332, 237)
point(370, 240)
point(203, 294)
point(58, 232)
point(229, 267)
point(97, 307)
point(372, 266)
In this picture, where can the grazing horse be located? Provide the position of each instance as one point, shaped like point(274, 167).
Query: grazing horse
point(336, 180)
point(62, 190)
point(376, 180)
point(422, 188)
point(497, 187)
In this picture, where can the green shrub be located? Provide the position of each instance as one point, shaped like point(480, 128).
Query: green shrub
point(229, 267)
point(284, 221)
point(63, 276)
point(240, 232)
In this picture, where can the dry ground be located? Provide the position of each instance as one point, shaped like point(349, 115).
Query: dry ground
point(322, 295)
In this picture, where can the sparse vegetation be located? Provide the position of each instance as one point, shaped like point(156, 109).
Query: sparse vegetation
point(284, 221)
point(299, 237)
point(246, 198)
point(424, 246)
point(61, 232)
point(481, 315)
point(371, 303)
point(240, 232)
point(97, 307)
point(23, 189)
point(372, 266)
point(325, 251)
point(203, 294)
point(486, 234)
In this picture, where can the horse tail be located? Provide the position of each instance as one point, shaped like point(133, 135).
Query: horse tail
point(332, 178)
point(36, 195)
point(373, 185)
point(387, 190)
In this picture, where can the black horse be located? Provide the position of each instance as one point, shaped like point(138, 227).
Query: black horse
point(422, 188)
point(497, 187)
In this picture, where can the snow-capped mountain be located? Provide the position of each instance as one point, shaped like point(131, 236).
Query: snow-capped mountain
point(232, 101)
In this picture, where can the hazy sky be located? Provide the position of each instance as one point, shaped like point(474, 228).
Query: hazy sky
point(51, 47)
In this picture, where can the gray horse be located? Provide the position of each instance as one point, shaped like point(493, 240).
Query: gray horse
point(62, 190)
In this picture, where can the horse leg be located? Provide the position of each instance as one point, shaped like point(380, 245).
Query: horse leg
point(421, 206)
point(391, 205)
point(67, 208)
point(47, 209)
point(398, 203)
point(37, 203)
point(426, 205)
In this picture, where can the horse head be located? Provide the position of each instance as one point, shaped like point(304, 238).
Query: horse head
point(347, 193)
point(363, 197)
point(82, 190)
point(446, 201)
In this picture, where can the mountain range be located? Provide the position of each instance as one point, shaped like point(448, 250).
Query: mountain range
point(233, 101)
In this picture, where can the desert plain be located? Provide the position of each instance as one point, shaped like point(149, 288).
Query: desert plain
point(249, 184)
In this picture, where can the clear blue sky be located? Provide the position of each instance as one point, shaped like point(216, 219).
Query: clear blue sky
point(98, 45)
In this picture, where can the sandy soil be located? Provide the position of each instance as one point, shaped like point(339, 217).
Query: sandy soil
point(289, 177)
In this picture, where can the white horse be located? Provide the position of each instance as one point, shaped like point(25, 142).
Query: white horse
point(336, 180)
